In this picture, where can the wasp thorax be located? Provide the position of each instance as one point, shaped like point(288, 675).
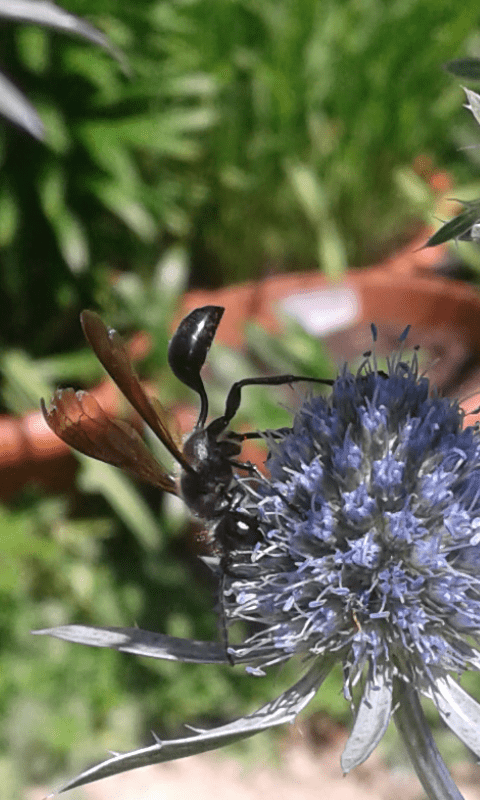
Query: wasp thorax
point(205, 485)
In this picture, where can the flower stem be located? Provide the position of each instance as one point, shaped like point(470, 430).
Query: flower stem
point(429, 764)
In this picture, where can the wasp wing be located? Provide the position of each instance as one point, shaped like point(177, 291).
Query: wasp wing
point(77, 419)
point(111, 351)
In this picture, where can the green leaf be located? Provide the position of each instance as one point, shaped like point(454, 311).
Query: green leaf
point(57, 135)
point(9, 217)
point(23, 381)
point(124, 498)
point(80, 366)
point(72, 240)
point(169, 133)
point(132, 213)
point(313, 199)
point(464, 68)
point(33, 46)
point(459, 227)
point(69, 231)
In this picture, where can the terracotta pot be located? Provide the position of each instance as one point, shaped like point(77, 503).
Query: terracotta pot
point(402, 290)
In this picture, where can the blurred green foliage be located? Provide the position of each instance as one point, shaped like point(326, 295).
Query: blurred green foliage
point(114, 181)
point(253, 132)
point(247, 133)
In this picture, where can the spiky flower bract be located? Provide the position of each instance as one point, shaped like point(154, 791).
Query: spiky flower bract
point(366, 552)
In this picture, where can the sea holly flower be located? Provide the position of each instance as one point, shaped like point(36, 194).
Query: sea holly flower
point(366, 551)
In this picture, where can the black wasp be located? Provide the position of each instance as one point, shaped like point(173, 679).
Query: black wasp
point(209, 455)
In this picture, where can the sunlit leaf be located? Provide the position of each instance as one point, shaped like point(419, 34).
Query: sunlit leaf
point(473, 103)
point(72, 240)
point(43, 12)
point(15, 107)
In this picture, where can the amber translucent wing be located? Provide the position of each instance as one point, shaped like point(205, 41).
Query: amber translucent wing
point(110, 350)
point(77, 418)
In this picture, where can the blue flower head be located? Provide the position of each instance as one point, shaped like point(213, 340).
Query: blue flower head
point(366, 552)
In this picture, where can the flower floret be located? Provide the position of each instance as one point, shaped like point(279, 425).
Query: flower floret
point(368, 518)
